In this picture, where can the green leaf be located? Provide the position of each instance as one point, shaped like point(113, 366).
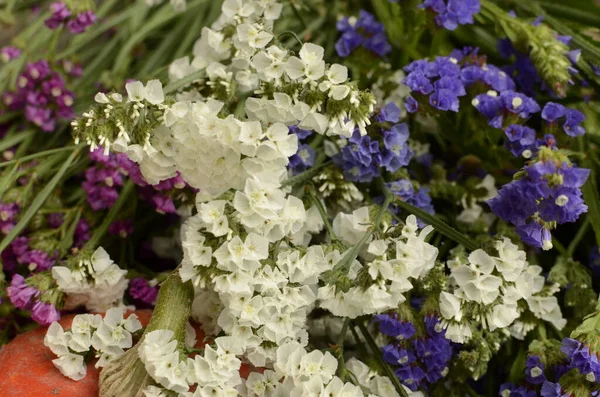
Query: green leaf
point(592, 199)
point(439, 225)
point(38, 202)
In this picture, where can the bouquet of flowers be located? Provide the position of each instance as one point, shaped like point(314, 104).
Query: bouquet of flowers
point(314, 198)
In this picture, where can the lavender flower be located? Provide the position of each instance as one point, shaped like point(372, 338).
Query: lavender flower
point(42, 95)
point(8, 53)
point(61, 15)
point(44, 313)
point(20, 294)
point(8, 216)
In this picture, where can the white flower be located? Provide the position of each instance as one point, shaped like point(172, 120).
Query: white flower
point(152, 92)
point(71, 365)
point(254, 35)
point(310, 64)
point(502, 316)
point(476, 280)
point(56, 339)
point(450, 306)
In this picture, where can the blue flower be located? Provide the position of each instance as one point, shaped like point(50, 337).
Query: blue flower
point(534, 370)
point(397, 152)
point(300, 133)
point(360, 159)
point(452, 13)
point(594, 262)
point(550, 389)
point(394, 355)
point(365, 31)
point(411, 376)
point(520, 138)
point(553, 112)
point(403, 188)
point(303, 159)
point(391, 326)
point(390, 113)
point(411, 105)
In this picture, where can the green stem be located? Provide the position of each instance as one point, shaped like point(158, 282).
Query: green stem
point(306, 175)
point(577, 239)
point(319, 204)
point(559, 247)
point(377, 354)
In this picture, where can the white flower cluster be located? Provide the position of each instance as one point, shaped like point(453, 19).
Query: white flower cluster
point(108, 336)
point(265, 296)
point(96, 282)
point(489, 288)
point(246, 59)
point(388, 279)
point(295, 372)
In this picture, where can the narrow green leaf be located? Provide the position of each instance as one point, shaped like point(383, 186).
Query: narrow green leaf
point(377, 354)
point(38, 202)
point(8, 179)
point(36, 155)
point(439, 225)
point(67, 241)
point(176, 85)
point(592, 200)
point(7, 143)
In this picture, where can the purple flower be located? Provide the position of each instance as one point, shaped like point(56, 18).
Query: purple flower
point(82, 233)
point(520, 139)
point(411, 104)
point(122, 228)
point(37, 260)
point(390, 113)
point(404, 189)
point(55, 220)
point(303, 159)
point(452, 13)
point(553, 111)
point(396, 152)
point(365, 31)
point(534, 370)
point(20, 294)
point(60, 13)
point(391, 326)
point(140, 289)
point(394, 355)
point(411, 376)
point(571, 125)
point(44, 313)
point(550, 389)
point(8, 216)
point(300, 133)
point(9, 53)
point(360, 159)
point(81, 22)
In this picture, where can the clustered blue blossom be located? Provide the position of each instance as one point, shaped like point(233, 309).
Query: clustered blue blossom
point(363, 157)
point(548, 193)
point(419, 359)
point(451, 13)
point(404, 189)
point(555, 112)
point(578, 356)
point(444, 80)
point(305, 156)
point(364, 31)
point(498, 108)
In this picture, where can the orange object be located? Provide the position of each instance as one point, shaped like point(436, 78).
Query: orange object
point(26, 368)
